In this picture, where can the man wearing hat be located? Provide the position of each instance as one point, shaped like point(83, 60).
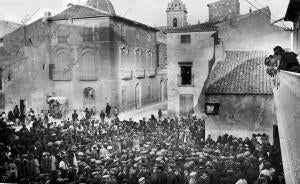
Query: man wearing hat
point(64, 166)
point(162, 175)
point(45, 163)
point(123, 175)
point(230, 178)
point(288, 60)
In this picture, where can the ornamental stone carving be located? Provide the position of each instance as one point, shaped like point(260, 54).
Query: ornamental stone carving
point(137, 51)
point(124, 49)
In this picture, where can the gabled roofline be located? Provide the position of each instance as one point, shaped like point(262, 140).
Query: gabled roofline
point(104, 14)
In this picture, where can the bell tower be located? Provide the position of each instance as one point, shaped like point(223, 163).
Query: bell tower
point(176, 14)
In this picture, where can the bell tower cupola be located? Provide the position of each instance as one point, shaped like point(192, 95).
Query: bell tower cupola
point(177, 14)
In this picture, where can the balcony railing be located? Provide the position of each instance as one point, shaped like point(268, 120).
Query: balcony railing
point(151, 72)
point(185, 81)
point(126, 73)
point(88, 75)
point(62, 75)
point(287, 102)
point(139, 72)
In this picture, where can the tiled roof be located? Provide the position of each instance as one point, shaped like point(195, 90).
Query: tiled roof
point(242, 72)
point(205, 27)
point(79, 11)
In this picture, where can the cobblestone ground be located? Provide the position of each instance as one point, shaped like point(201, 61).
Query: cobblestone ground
point(146, 112)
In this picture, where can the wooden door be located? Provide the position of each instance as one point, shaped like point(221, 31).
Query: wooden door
point(186, 105)
point(138, 96)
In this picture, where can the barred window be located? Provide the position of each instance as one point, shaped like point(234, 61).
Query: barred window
point(185, 38)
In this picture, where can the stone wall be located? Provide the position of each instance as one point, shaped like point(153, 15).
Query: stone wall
point(242, 115)
point(253, 31)
point(181, 17)
point(223, 9)
point(200, 52)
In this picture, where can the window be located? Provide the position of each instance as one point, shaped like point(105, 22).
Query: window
point(185, 38)
point(149, 37)
point(9, 76)
point(122, 32)
point(212, 108)
point(137, 35)
point(185, 78)
point(62, 61)
point(62, 39)
point(88, 70)
point(87, 37)
point(174, 22)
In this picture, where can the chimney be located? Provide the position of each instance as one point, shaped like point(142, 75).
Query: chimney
point(47, 15)
point(250, 10)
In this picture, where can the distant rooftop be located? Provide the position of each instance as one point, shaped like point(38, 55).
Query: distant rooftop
point(204, 27)
point(242, 72)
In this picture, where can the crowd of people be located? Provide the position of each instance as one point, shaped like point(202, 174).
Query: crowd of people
point(153, 151)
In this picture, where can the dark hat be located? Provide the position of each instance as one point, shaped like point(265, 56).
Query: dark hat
point(278, 49)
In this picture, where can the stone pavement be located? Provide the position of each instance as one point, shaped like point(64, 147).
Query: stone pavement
point(146, 111)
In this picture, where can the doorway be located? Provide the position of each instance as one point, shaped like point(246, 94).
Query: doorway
point(138, 96)
point(276, 135)
point(186, 105)
point(89, 99)
point(22, 107)
point(162, 91)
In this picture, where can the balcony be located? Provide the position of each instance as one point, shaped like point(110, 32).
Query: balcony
point(62, 75)
point(151, 72)
point(139, 73)
point(126, 74)
point(88, 75)
point(185, 81)
point(287, 102)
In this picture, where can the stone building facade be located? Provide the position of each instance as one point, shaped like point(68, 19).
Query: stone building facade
point(88, 55)
point(190, 51)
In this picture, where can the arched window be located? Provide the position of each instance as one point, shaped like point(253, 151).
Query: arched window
point(62, 61)
point(175, 22)
point(88, 69)
point(122, 32)
point(87, 62)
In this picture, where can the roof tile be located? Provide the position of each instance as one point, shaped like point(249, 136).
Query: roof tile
point(204, 27)
point(242, 72)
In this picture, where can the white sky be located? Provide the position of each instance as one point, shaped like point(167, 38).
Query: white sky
point(151, 12)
